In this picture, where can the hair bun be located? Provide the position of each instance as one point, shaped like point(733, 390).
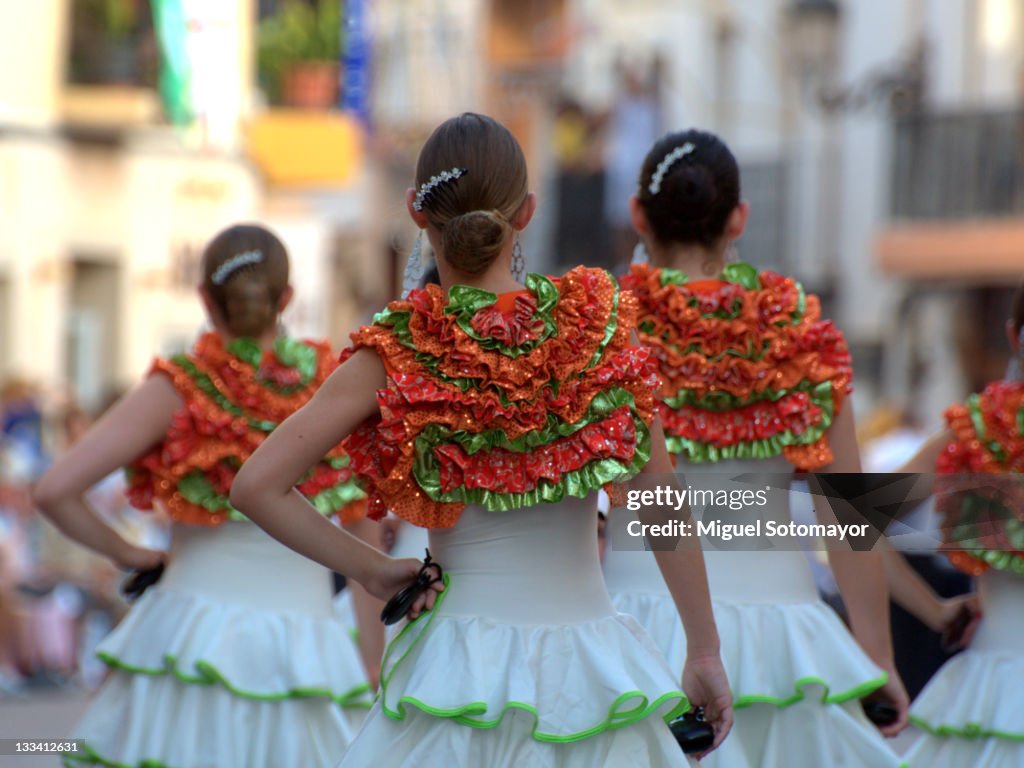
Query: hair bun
point(694, 194)
point(472, 240)
point(245, 271)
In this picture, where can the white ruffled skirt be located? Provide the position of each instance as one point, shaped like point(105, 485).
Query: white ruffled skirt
point(972, 711)
point(234, 659)
point(523, 662)
point(796, 673)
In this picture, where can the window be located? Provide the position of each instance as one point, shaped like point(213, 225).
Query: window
point(112, 43)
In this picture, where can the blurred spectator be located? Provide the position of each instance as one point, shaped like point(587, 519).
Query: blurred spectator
point(57, 599)
point(634, 124)
point(891, 437)
point(580, 187)
point(15, 563)
point(21, 424)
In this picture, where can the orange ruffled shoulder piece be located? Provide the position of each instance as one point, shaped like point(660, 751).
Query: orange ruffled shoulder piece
point(233, 397)
point(504, 401)
point(750, 369)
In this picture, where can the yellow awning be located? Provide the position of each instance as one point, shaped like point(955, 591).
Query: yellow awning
point(973, 249)
point(300, 148)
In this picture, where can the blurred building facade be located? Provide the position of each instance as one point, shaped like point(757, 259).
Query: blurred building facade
point(880, 143)
point(105, 206)
point(882, 149)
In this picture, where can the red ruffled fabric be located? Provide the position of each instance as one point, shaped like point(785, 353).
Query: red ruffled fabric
point(705, 355)
point(512, 394)
point(1000, 450)
point(206, 438)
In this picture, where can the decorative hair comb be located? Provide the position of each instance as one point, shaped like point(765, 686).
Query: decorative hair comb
point(667, 162)
point(427, 187)
point(236, 262)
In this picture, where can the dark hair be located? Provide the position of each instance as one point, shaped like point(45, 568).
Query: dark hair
point(430, 275)
point(249, 294)
point(696, 193)
point(1017, 309)
point(473, 211)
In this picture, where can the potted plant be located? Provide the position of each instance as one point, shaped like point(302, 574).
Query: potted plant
point(299, 53)
point(104, 42)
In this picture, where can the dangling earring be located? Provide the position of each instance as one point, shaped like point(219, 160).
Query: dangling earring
point(282, 329)
point(518, 262)
point(413, 267)
point(640, 254)
point(732, 254)
point(1015, 368)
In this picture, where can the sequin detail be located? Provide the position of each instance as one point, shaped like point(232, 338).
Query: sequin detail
point(984, 527)
point(234, 395)
point(750, 369)
point(504, 401)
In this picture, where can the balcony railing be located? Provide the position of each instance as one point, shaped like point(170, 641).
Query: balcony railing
point(958, 165)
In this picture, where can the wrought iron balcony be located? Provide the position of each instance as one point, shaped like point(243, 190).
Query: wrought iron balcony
point(958, 165)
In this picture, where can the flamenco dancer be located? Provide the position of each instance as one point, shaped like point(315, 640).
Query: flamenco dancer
point(233, 658)
point(972, 710)
point(755, 382)
point(491, 414)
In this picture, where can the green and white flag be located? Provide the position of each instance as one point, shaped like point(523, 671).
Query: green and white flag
point(171, 24)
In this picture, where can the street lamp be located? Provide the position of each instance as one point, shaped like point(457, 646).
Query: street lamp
point(813, 28)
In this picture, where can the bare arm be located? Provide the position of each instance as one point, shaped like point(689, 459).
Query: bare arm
point(909, 590)
point(916, 596)
point(124, 433)
point(683, 569)
point(704, 678)
point(923, 464)
point(367, 607)
point(861, 576)
point(264, 489)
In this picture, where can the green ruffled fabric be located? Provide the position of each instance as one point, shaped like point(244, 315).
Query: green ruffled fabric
point(738, 273)
point(546, 294)
point(968, 731)
point(196, 488)
point(602, 405)
point(609, 331)
point(799, 694)
point(291, 353)
point(993, 446)
point(622, 712)
point(464, 302)
point(698, 452)
point(209, 675)
point(579, 483)
point(742, 274)
point(205, 383)
point(337, 497)
point(972, 533)
point(820, 394)
point(89, 756)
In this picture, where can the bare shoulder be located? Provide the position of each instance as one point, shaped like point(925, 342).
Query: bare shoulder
point(362, 372)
